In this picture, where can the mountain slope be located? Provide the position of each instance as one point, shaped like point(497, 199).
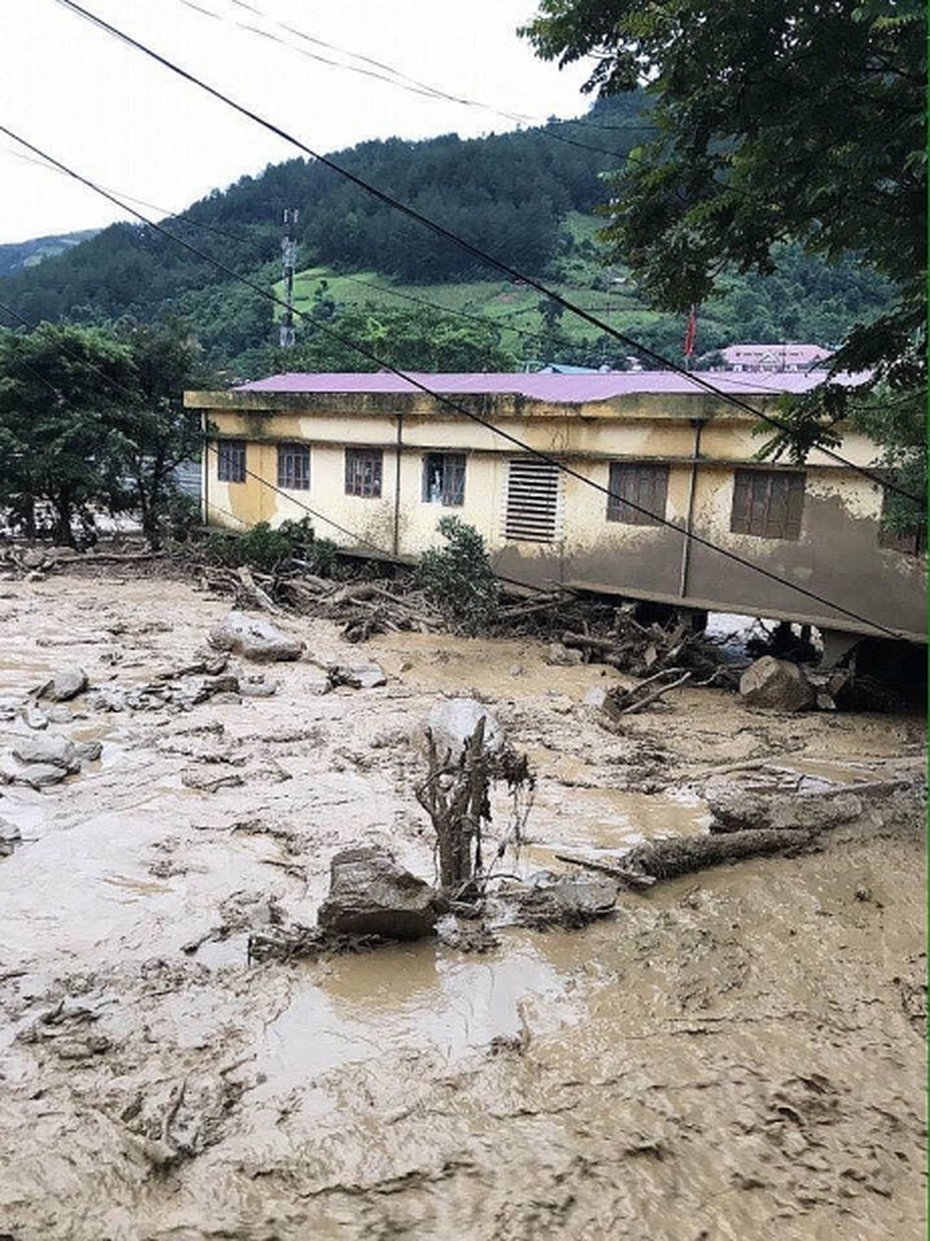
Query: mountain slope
point(20, 255)
point(526, 197)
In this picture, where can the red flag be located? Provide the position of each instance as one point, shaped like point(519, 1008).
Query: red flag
point(690, 333)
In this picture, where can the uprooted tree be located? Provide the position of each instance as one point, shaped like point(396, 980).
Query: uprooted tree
point(456, 796)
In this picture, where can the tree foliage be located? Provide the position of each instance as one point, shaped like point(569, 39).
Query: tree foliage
point(418, 339)
point(775, 120)
point(458, 578)
point(91, 419)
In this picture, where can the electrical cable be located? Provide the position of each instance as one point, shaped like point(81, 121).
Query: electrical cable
point(697, 539)
point(455, 239)
point(397, 77)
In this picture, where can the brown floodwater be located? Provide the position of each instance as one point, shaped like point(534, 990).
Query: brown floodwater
point(735, 1054)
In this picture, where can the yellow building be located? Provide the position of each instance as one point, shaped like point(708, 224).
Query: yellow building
point(647, 486)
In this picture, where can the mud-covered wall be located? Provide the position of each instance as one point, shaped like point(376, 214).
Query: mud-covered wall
point(836, 557)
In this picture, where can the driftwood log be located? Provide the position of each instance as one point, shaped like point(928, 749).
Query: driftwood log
point(667, 859)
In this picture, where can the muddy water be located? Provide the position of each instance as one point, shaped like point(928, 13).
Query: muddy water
point(734, 1055)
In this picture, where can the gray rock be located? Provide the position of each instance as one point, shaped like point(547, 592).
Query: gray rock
point(254, 638)
point(66, 684)
point(49, 749)
point(452, 722)
point(776, 685)
point(10, 837)
point(365, 676)
point(369, 894)
point(88, 751)
point(59, 715)
point(33, 717)
point(108, 698)
point(569, 900)
point(210, 687)
point(257, 689)
point(596, 697)
point(737, 809)
point(38, 775)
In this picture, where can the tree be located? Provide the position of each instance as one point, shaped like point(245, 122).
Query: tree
point(59, 386)
point(91, 418)
point(415, 340)
point(157, 433)
point(775, 120)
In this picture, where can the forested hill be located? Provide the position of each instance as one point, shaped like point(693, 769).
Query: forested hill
point(506, 193)
point(526, 197)
point(18, 255)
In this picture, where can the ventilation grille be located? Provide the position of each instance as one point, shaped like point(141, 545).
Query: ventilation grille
point(532, 501)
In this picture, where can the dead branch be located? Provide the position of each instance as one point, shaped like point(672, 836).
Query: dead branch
point(255, 595)
point(642, 704)
point(632, 878)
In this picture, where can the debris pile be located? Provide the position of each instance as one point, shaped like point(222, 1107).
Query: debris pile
point(647, 650)
point(362, 608)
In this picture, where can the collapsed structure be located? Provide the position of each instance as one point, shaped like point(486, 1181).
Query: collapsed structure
point(643, 484)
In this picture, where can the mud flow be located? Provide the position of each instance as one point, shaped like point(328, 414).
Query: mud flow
point(734, 1054)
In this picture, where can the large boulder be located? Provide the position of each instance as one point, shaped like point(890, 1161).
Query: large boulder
point(452, 722)
point(737, 809)
point(66, 684)
point(569, 900)
point(48, 749)
point(254, 638)
point(369, 894)
point(776, 685)
point(39, 775)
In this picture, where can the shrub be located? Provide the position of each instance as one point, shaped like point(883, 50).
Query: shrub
point(262, 547)
point(458, 579)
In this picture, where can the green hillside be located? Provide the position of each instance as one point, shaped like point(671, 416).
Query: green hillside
point(19, 255)
point(370, 273)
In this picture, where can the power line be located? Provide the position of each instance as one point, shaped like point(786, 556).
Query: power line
point(396, 77)
point(461, 409)
point(467, 246)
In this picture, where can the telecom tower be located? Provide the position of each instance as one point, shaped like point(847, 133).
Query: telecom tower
point(289, 256)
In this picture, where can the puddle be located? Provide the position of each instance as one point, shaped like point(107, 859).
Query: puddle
point(598, 821)
point(419, 998)
point(815, 775)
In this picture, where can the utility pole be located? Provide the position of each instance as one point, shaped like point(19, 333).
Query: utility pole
point(289, 257)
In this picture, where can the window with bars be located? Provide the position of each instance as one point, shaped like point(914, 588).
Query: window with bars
point(768, 503)
point(444, 479)
point(363, 472)
point(911, 539)
point(230, 461)
point(294, 467)
point(533, 493)
point(637, 494)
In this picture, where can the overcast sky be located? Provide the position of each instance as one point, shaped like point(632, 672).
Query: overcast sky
point(131, 125)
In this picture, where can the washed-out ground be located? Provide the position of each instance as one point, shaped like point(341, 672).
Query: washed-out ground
point(736, 1054)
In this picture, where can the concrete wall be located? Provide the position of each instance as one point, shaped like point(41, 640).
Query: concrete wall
point(837, 555)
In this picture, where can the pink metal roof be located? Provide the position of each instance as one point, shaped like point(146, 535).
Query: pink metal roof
point(569, 389)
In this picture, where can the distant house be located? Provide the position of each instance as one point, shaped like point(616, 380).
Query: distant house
point(773, 359)
point(376, 461)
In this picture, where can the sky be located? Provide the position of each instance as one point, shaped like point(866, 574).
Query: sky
point(152, 139)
